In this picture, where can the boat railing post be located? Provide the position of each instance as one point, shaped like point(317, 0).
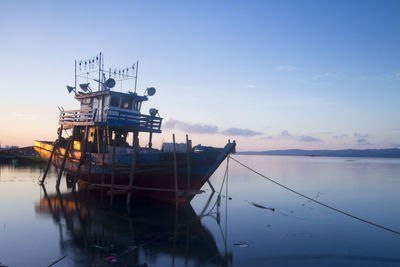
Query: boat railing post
point(175, 169)
point(188, 163)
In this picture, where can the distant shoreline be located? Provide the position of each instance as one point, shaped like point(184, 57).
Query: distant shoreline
point(370, 153)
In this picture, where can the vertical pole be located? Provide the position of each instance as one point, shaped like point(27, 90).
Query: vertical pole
point(150, 138)
point(133, 165)
point(175, 170)
point(137, 67)
point(83, 157)
point(226, 209)
point(75, 77)
point(98, 139)
point(90, 165)
point(104, 152)
point(51, 155)
point(188, 163)
point(112, 166)
point(99, 72)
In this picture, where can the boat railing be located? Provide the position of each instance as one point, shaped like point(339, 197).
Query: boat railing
point(120, 118)
point(78, 117)
point(114, 118)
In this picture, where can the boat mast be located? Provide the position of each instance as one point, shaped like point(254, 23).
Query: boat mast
point(75, 78)
point(100, 67)
point(137, 66)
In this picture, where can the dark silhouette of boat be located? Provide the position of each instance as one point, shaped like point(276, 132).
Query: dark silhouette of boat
point(96, 147)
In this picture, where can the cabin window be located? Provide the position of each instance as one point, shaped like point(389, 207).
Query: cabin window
point(126, 102)
point(114, 101)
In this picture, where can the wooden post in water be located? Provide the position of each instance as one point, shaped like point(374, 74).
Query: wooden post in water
point(188, 163)
point(113, 163)
point(51, 155)
point(133, 165)
point(70, 141)
point(83, 157)
point(175, 170)
point(104, 152)
point(90, 166)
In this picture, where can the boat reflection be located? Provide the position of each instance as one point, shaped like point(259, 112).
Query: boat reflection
point(146, 232)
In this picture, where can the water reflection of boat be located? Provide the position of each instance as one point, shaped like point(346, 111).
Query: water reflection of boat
point(148, 232)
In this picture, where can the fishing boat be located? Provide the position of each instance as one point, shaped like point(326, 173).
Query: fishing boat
point(98, 144)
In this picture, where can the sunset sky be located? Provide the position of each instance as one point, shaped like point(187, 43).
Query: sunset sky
point(270, 74)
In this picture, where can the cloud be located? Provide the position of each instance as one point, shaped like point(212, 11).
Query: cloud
point(191, 127)
point(250, 86)
point(306, 138)
point(286, 68)
point(324, 75)
point(328, 74)
point(360, 135)
point(394, 76)
point(285, 133)
point(343, 136)
point(241, 132)
point(207, 129)
point(363, 141)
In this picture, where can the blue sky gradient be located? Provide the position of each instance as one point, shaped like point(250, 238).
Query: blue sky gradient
point(270, 74)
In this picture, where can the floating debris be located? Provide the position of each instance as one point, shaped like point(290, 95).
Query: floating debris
point(261, 207)
point(57, 261)
point(242, 244)
point(97, 246)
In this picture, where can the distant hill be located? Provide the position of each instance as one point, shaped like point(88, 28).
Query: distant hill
point(373, 153)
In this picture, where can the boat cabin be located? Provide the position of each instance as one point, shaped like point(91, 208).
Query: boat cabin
point(112, 109)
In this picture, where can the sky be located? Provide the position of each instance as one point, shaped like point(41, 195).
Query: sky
point(268, 74)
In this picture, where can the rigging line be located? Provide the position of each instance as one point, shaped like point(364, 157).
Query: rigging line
point(313, 200)
point(220, 190)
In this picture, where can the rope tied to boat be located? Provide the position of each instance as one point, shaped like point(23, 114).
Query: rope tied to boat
point(311, 199)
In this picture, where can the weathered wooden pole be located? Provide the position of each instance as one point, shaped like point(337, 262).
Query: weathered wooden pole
point(103, 155)
point(113, 163)
point(175, 169)
point(188, 163)
point(133, 164)
point(82, 158)
point(90, 166)
point(51, 155)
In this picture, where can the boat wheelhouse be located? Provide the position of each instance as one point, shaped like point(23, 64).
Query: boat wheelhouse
point(98, 145)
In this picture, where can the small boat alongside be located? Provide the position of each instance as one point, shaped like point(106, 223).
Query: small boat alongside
point(98, 144)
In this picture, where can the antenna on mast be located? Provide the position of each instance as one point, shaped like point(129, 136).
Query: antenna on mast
point(137, 67)
point(100, 69)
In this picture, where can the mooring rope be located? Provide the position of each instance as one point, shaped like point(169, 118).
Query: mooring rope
point(222, 185)
point(311, 199)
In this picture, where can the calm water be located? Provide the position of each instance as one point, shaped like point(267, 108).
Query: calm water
point(39, 226)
